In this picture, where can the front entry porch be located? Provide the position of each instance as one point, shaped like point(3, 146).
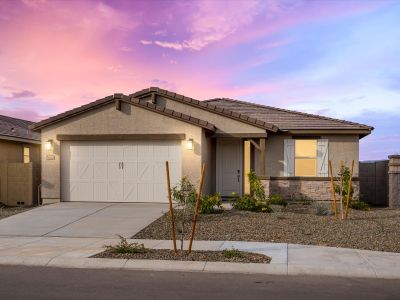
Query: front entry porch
point(235, 157)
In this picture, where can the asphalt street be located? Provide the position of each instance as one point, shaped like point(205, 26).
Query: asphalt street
point(18, 282)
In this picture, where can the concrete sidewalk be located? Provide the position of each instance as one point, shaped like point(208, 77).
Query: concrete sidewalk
point(287, 259)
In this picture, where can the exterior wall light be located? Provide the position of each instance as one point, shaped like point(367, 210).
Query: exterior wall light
point(189, 144)
point(48, 145)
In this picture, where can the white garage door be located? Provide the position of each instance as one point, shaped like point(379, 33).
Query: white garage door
point(131, 171)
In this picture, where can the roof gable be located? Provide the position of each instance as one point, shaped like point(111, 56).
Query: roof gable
point(126, 99)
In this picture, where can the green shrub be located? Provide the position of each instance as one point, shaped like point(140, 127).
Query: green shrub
point(359, 205)
point(124, 247)
point(277, 200)
point(256, 187)
point(184, 193)
point(231, 253)
point(211, 204)
point(249, 203)
point(322, 209)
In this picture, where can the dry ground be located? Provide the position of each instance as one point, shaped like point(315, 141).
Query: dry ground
point(165, 254)
point(377, 229)
point(6, 211)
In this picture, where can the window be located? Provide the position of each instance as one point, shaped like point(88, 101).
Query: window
point(305, 158)
point(27, 158)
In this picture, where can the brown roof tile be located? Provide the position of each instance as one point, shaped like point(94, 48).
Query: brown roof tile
point(17, 128)
point(284, 119)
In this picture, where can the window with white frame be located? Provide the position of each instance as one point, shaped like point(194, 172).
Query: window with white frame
point(305, 160)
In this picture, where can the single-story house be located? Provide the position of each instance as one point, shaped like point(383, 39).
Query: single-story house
point(19, 162)
point(115, 148)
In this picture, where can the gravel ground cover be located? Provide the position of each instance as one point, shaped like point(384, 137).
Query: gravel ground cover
point(377, 229)
point(183, 255)
point(6, 211)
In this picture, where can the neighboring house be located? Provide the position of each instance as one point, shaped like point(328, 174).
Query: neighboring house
point(115, 148)
point(19, 162)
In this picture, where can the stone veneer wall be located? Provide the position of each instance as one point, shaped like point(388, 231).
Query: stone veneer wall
point(318, 189)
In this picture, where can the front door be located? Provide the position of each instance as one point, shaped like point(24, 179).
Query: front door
point(229, 167)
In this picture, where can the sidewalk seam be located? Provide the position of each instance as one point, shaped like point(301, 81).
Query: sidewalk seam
point(81, 218)
point(368, 263)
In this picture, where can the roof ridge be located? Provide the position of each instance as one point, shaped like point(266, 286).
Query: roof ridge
point(291, 111)
point(211, 107)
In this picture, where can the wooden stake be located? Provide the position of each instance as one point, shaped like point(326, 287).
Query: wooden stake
point(333, 189)
point(341, 189)
point(349, 189)
point(171, 210)
point(196, 211)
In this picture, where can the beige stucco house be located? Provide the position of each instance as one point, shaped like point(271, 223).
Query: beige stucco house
point(115, 148)
point(19, 162)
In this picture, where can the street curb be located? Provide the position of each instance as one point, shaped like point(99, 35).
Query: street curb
point(181, 266)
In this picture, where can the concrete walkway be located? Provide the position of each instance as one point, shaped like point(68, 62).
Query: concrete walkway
point(82, 219)
point(287, 259)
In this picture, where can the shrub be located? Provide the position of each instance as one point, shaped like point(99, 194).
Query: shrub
point(231, 253)
point(277, 200)
point(124, 247)
point(211, 204)
point(184, 193)
point(249, 203)
point(256, 186)
point(322, 209)
point(359, 205)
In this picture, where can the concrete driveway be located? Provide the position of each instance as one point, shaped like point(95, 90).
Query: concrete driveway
point(78, 219)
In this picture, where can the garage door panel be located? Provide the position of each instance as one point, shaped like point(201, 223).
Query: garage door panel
point(100, 170)
point(115, 191)
point(145, 192)
point(85, 171)
point(100, 153)
point(130, 153)
point(131, 171)
point(144, 152)
point(145, 172)
point(100, 192)
point(130, 192)
point(114, 171)
point(160, 192)
point(115, 153)
point(85, 191)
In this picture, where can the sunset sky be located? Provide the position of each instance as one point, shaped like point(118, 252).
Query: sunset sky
point(339, 58)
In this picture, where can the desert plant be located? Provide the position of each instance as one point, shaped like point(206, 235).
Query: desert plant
point(256, 187)
point(277, 200)
point(125, 247)
point(359, 205)
point(211, 204)
point(345, 171)
point(231, 253)
point(184, 193)
point(249, 203)
point(322, 209)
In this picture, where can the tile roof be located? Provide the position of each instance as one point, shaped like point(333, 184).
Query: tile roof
point(17, 128)
point(262, 116)
point(285, 119)
point(127, 99)
point(208, 106)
